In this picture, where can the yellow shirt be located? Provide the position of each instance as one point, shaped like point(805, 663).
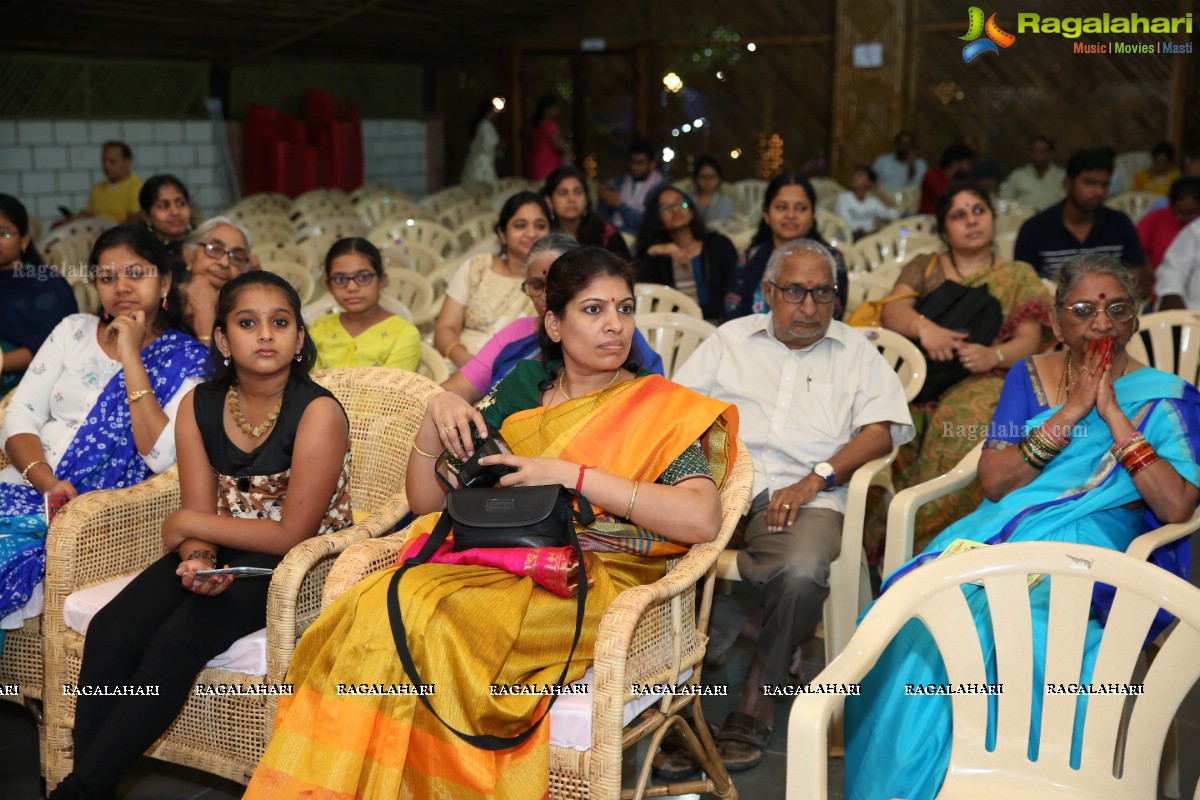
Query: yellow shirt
point(394, 342)
point(115, 201)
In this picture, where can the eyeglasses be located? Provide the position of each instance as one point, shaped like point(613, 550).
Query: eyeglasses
point(534, 288)
point(237, 256)
point(682, 205)
point(1117, 312)
point(794, 293)
point(361, 278)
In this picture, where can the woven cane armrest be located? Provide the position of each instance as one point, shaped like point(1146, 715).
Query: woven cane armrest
point(104, 535)
point(653, 632)
point(21, 661)
point(294, 599)
point(360, 560)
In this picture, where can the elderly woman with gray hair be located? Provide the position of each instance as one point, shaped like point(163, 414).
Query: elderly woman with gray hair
point(518, 340)
point(1087, 446)
point(216, 253)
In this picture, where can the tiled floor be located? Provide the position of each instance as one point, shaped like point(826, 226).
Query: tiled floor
point(153, 780)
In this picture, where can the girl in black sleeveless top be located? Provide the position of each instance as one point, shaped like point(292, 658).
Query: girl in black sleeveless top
point(264, 458)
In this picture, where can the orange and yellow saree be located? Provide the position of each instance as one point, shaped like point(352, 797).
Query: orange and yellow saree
point(352, 730)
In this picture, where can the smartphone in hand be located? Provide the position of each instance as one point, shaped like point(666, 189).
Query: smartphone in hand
point(235, 572)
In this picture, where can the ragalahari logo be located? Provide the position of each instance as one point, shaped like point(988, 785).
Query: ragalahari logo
point(976, 27)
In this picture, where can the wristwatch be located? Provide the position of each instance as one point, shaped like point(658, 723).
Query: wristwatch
point(825, 470)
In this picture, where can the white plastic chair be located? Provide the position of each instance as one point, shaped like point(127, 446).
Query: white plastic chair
point(295, 253)
point(265, 202)
point(656, 298)
point(397, 232)
point(835, 229)
point(268, 229)
point(749, 194)
point(476, 229)
point(1163, 328)
point(908, 199)
point(298, 275)
point(415, 291)
point(1134, 204)
point(374, 209)
point(826, 187)
point(421, 257)
point(309, 227)
point(673, 336)
point(933, 593)
point(916, 225)
point(432, 365)
point(454, 216)
point(440, 201)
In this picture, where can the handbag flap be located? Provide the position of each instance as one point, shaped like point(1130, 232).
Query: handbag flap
point(503, 506)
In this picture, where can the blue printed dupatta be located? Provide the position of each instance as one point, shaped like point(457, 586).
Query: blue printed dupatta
point(103, 455)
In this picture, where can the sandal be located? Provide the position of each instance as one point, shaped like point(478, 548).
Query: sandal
point(742, 741)
point(674, 761)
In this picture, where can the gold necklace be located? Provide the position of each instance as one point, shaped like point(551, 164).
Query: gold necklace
point(1069, 380)
point(562, 374)
point(256, 431)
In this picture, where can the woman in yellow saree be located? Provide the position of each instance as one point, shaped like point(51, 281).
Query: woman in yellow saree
point(650, 457)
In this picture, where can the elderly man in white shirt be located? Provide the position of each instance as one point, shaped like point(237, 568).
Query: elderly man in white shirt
point(816, 401)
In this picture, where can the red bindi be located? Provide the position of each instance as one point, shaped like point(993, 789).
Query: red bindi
point(1103, 295)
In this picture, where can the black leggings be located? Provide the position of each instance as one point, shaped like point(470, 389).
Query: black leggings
point(155, 633)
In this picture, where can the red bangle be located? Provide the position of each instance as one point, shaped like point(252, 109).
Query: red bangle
point(579, 483)
point(1136, 468)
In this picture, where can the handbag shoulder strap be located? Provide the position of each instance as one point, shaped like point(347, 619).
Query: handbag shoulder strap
point(436, 538)
point(932, 263)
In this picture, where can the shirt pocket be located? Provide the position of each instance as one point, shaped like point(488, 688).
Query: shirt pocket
point(824, 410)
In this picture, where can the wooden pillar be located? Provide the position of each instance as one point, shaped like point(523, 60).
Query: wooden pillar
point(870, 104)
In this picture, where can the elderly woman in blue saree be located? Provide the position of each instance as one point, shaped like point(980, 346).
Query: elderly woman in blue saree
point(96, 407)
point(1086, 446)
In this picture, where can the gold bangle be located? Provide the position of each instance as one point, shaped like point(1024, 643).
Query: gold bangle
point(454, 344)
point(204, 339)
point(421, 452)
point(133, 397)
point(632, 500)
point(29, 466)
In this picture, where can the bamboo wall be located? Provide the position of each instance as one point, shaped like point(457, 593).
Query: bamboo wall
point(798, 101)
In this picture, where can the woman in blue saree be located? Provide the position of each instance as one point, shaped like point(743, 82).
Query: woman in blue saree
point(1084, 447)
point(96, 408)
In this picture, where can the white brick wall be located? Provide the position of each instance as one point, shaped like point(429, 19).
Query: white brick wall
point(395, 152)
point(46, 164)
point(51, 163)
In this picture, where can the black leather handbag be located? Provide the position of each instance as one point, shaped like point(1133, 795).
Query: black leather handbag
point(964, 308)
point(502, 516)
